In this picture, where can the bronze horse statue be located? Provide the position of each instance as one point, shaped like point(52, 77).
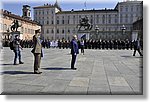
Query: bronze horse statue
point(84, 22)
point(15, 25)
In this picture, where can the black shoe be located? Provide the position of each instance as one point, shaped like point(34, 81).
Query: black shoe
point(73, 68)
point(16, 64)
point(21, 62)
point(133, 55)
point(37, 72)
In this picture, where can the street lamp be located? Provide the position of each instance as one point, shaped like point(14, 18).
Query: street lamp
point(7, 34)
point(96, 29)
point(123, 29)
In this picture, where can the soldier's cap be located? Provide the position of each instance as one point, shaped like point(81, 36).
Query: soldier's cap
point(74, 36)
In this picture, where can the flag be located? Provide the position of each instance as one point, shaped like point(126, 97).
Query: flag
point(83, 36)
point(85, 4)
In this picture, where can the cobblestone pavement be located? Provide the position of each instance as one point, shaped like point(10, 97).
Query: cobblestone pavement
point(103, 72)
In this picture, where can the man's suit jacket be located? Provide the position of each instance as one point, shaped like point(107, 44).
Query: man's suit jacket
point(137, 45)
point(37, 47)
point(74, 47)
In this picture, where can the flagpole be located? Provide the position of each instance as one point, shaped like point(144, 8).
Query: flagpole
point(85, 5)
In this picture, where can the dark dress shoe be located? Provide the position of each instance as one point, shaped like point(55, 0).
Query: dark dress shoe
point(37, 72)
point(73, 68)
point(16, 64)
point(21, 62)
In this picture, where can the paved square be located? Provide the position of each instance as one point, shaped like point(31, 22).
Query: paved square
point(98, 72)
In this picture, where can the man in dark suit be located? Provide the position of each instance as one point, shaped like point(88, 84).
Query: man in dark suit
point(74, 51)
point(17, 50)
point(37, 51)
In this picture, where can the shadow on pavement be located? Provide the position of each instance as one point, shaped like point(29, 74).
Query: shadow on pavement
point(132, 56)
point(57, 68)
point(5, 64)
point(16, 72)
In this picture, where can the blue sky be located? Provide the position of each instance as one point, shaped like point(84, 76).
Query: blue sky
point(15, 6)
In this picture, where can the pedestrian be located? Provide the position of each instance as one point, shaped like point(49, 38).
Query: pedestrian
point(88, 44)
point(137, 47)
point(82, 46)
point(74, 51)
point(59, 44)
point(37, 51)
point(103, 44)
point(17, 50)
point(127, 44)
point(63, 43)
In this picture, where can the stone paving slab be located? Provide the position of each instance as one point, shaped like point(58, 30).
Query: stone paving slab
point(75, 90)
point(102, 72)
point(79, 81)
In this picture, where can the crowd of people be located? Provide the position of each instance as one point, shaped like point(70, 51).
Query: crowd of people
point(88, 44)
point(37, 44)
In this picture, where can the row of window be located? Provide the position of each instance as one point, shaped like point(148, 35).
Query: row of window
point(42, 12)
point(58, 31)
point(74, 17)
point(96, 17)
point(72, 31)
point(97, 20)
point(27, 30)
point(103, 21)
point(132, 8)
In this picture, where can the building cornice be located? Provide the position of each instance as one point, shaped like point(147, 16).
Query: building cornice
point(88, 11)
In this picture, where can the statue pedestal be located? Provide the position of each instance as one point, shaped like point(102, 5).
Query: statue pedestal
point(13, 34)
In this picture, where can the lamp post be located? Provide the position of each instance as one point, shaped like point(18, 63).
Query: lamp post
point(123, 29)
point(8, 35)
point(96, 29)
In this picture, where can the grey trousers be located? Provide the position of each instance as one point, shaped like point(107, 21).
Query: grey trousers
point(37, 61)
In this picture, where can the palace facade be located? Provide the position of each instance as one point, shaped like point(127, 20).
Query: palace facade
point(116, 23)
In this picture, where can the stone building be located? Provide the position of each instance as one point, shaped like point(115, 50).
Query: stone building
point(116, 23)
point(138, 27)
point(28, 26)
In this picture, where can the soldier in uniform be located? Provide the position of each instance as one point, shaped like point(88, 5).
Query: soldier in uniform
point(82, 46)
point(92, 43)
point(103, 44)
point(119, 44)
point(88, 44)
point(107, 44)
point(131, 45)
point(59, 44)
point(110, 44)
point(98, 44)
point(127, 44)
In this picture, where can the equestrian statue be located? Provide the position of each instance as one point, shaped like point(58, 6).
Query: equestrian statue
point(84, 23)
point(15, 26)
